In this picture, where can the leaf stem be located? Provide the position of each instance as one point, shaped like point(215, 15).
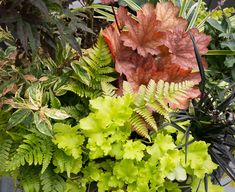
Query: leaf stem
point(115, 17)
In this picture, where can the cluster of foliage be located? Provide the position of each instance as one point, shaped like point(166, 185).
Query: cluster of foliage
point(117, 117)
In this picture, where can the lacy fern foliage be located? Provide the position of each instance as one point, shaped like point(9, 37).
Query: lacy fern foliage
point(92, 69)
point(157, 98)
point(35, 150)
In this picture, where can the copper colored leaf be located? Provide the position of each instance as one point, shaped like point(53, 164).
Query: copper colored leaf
point(30, 78)
point(12, 88)
point(181, 50)
point(143, 34)
point(112, 38)
point(167, 13)
point(156, 46)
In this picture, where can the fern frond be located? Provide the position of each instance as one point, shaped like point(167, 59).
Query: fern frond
point(147, 116)
point(108, 89)
point(173, 92)
point(66, 163)
point(29, 178)
point(34, 150)
point(140, 98)
point(151, 91)
point(52, 182)
point(4, 117)
point(139, 125)
point(127, 89)
point(5, 147)
point(159, 108)
point(81, 90)
point(91, 70)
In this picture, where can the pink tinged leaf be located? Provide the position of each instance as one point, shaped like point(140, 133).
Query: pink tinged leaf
point(107, 2)
point(143, 35)
point(167, 13)
point(181, 50)
point(112, 38)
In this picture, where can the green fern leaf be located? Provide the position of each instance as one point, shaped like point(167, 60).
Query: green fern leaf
point(65, 163)
point(151, 91)
point(52, 182)
point(127, 89)
point(108, 89)
point(82, 90)
point(146, 114)
point(173, 92)
point(140, 98)
point(34, 150)
point(4, 117)
point(5, 147)
point(29, 178)
point(139, 125)
point(91, 70)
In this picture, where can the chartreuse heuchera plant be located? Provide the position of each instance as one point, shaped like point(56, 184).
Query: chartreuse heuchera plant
point(95, 122)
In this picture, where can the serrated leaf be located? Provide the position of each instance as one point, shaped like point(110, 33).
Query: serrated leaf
point(229, 61)
point(19, 116)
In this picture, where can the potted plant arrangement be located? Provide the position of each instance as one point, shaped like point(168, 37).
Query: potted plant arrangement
point(127, 97)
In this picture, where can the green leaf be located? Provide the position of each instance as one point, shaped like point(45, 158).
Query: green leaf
point(179, 174)
point(199, 160)
point(41, 6)
point(195, 15)
point(229, 61)
point(19, 116)
point(55, 113)
point(67, 138)
point(54, 101)
point(220, 52)
point(36, 94)
point(52, 182)
point(81, 72)
point(132, 5)
point(228, 44)
point(126, 170)
point(214, 23)
point(43, 124)
point(65, 163)
point(133, 150)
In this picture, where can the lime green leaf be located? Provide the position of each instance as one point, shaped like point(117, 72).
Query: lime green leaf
point(126, 170)
point(199, 160)
point(133, 150)
point(67, 138)
point(179, 174)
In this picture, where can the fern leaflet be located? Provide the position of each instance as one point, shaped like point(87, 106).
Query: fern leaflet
point(34, 150)
point(52, 182)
